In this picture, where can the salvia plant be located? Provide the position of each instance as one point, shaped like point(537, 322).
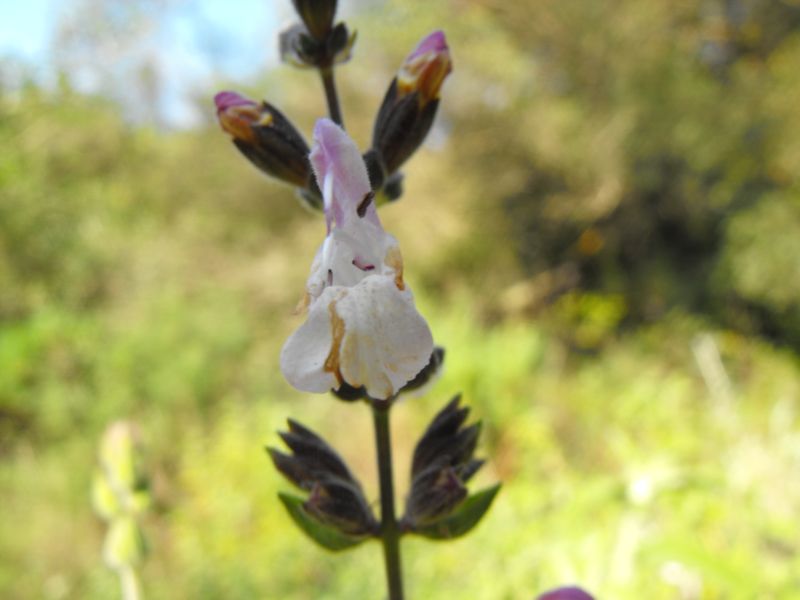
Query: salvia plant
point(120, 494)
point(363, 340)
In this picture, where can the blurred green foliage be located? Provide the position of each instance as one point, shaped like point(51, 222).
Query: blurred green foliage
point(636, 145)
point(618, 181)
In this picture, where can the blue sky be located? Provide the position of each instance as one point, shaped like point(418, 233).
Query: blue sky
point(26, 28)
point(194, 43)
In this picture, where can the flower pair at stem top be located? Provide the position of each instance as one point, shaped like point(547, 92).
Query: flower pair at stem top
point(273, 144)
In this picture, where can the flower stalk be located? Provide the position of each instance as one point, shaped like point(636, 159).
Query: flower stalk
point(331, 96)
point(390, 531)
point(129, 584)
point(362, 337)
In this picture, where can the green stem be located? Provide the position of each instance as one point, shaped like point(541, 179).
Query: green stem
point(330, 95)
point(129, 584)
point(390, 533)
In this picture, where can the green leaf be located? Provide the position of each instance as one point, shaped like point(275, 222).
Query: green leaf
point(463, 519)
point(324, 535)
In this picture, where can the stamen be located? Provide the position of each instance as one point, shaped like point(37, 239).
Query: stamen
point(330, 277)
point(362, 208)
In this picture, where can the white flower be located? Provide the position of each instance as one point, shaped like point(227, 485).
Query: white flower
point(362, 326)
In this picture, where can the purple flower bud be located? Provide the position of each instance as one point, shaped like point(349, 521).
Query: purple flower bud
point(265, 136)
point(238, 114)
point(410, 104)
point(426, 68)
point(341, 504)
point(434, 493)
point(336, 498)
point(566, 593)
point(443, 463)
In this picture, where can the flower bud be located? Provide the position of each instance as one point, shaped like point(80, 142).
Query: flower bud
point(428, 374)
point(434, 494)
point(566, 593)
point(342, 505)
point(336, 498)
point(410, 104)
point(445, 442)
point(265, 136)
point(441, 466)
point(425, 69)
point(119, 454)
point(317, 16)
point(299, 48)
point(119, 485)
point(393, 188)
point(312, 460)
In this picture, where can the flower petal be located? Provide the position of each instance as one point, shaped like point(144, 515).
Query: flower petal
point(227, 99)
point(341, 174)
point(304, 354)
point(433, 42)
point(426, 68)
point(386, 341)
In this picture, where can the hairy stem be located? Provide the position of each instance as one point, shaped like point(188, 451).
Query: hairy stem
point(390, 533)
point(330, 95)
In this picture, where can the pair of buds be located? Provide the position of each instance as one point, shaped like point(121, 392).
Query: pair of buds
point(273, 144)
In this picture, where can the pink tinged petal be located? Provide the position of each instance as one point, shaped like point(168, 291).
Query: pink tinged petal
point(349, 252)
point(227, 99)
point(426, 68)
point(341, 174)
point(237, 115)
point(304, 354)
point(386, 341)
point(433, 42)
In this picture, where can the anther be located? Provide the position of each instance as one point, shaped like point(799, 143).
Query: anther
point(362, 208)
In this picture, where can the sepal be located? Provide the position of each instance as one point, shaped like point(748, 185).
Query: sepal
point(462, 520)
point(428, 374)
point(341, 505)
point(444, 442)
point(326, 536)
point(336, 515)
point(409, 106)
point(393, 188)
point(266, 137)
point(310, 199)
point(425, 377)
point(317, 15)
point(312, 459)
point(436, 492)
point(401, 126)
point(299, 48)
point(438, 504)
point(349, 393)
